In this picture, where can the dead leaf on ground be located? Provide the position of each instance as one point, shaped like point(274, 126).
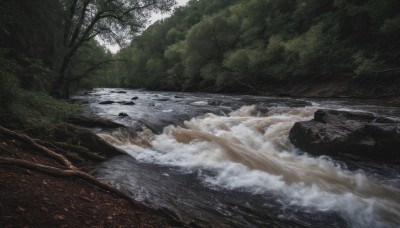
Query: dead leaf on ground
point(59, 217)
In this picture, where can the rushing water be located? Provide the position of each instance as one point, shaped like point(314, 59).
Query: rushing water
point(223, 160)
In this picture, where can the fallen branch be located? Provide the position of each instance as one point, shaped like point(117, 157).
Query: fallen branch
point(64, 173)
point(69, 155)
point(32, 142)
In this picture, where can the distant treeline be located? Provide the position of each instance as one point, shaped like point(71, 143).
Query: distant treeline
point(233, 45)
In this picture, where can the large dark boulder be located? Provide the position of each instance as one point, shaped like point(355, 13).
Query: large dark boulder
point(343, 133)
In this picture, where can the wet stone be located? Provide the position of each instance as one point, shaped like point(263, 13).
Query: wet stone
point(106, 102)
point(122, 114)
point(338, 133)
point(128, 103)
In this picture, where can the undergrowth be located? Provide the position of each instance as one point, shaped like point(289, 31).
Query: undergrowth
point(37, 110)
point(22, 109)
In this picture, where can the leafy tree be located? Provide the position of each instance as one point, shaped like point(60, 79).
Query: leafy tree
point(112, 20)
point(230, 45)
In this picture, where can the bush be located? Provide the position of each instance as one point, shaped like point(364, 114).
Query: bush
point(39, 110)
point(365, 66)
point(9, 83)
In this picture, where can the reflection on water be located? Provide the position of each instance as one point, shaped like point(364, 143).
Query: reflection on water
point(228, 160)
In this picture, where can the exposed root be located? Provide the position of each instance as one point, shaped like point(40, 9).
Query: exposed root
point(81, 150)
point(32, 142)
point(82, 137)
point(63, 173)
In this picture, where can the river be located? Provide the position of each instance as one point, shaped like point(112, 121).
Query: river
point(226, 161)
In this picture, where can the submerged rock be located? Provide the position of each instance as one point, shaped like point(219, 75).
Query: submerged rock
point(162, 99)
point(122, 114)
point(343, 133)
point(135, 98)
point(128, 103)
point(118, 92)
point(106, 102)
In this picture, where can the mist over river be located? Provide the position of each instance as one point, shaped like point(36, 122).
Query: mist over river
point(226, 160)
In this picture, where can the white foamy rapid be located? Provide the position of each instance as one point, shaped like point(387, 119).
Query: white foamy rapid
point(250, 151)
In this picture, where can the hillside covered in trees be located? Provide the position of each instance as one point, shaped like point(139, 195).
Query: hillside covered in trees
point(259, 46)
point(256, 45)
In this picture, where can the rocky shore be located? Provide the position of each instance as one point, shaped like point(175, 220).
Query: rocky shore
point(350, 134)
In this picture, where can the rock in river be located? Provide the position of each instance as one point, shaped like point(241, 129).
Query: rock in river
point(128, 103)
point(118, 92)
point(343, 133)
point(106, 102)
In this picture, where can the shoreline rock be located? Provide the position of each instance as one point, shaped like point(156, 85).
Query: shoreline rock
point(343, 133)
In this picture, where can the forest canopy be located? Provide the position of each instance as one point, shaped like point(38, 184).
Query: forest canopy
point(207, 45)
point(234, 45)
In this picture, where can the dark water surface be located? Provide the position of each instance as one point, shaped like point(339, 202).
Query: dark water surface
point(223, 160)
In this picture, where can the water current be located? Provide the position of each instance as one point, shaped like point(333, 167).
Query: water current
point(226, 161)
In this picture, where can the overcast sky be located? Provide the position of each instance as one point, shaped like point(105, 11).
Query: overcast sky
point(158, 16)
point(155, 17)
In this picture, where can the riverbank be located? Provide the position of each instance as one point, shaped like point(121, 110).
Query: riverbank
point(383, 87)
point(37, 190)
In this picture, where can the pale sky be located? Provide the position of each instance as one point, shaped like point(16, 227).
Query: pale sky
point(155, 17)
point(158, 16)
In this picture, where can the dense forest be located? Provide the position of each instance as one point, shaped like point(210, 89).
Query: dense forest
point(235, 45)
point(49, 48)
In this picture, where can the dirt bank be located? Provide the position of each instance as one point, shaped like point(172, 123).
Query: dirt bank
point(385, 87)
point(30, 197)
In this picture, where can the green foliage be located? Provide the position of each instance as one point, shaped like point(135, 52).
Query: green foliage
point(391, 25)
point(93, 66)
point(237, 61)
point(28, 109)
point(9, 83)
point(39, 110)
point(206, 45)
point(365, 66)
point(234, 44)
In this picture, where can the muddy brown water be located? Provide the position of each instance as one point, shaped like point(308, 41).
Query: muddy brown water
point(226, 161)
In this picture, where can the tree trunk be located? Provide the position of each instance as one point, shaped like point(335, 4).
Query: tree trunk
point(59, 85)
